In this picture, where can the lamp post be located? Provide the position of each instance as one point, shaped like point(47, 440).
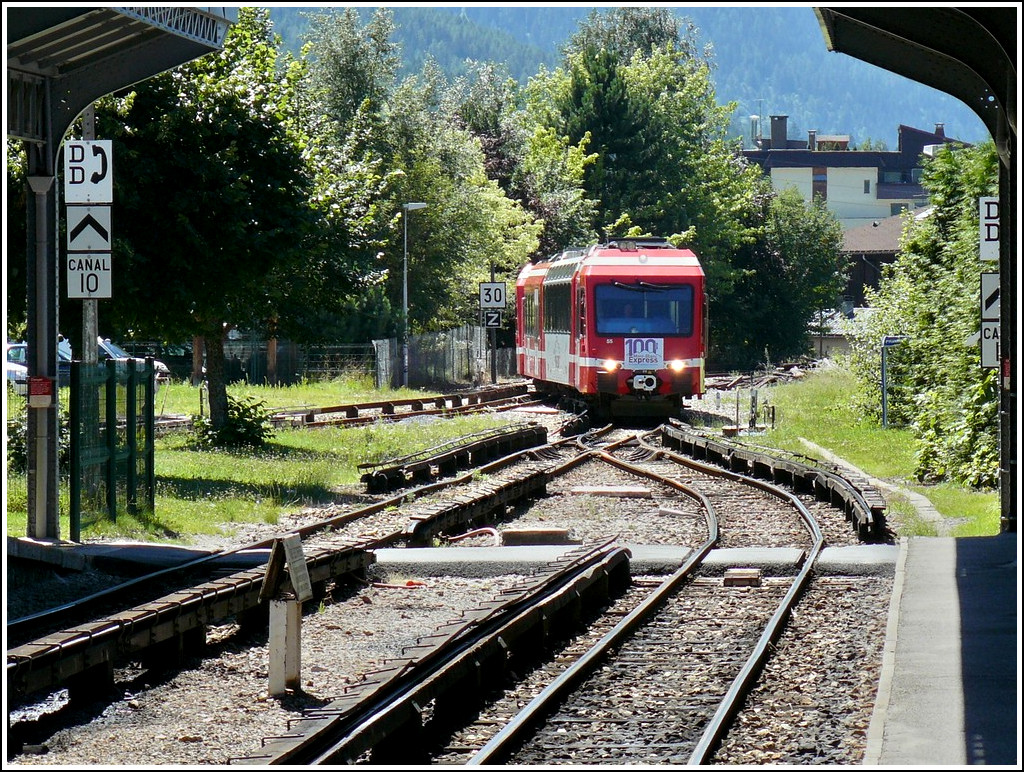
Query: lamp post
point(405, 289)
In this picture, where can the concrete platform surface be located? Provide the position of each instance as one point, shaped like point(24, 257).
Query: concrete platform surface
point(950, 687)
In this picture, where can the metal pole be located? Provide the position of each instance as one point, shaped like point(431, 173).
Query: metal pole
point(405, 298)
point(43, 431)
point(884, 416)
point(90, 306)
point(406, 208)
point(494, 345)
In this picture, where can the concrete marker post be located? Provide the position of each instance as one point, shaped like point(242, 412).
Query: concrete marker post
point(285, 635)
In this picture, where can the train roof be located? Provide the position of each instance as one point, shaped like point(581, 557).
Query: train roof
point(607, 259)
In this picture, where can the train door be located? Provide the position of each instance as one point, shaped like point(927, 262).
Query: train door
point(580, 334)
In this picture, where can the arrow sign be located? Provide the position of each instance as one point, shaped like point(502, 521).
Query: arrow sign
point(88, 228)
point(990, 297)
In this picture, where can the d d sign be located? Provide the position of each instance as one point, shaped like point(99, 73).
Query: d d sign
point(88, 176)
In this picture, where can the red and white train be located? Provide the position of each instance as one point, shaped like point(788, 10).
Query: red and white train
point(621, 327)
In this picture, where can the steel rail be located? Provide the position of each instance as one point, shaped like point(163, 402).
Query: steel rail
point(533, 713)
point(346, 728)
point(502, 743)
point(867, 516)
point(21, 660)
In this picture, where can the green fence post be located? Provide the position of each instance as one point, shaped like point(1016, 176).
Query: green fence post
point(131, 439)
point(75, 452)
point(149, 411)
point(110, 386)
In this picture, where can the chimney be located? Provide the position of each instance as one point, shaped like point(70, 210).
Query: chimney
point(812, 139)
point(779, 132)
point(940, 129)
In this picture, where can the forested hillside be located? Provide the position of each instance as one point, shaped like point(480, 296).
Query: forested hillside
point(770, 60)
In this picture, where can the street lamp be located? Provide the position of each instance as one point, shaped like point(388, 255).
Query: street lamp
point(405, 289)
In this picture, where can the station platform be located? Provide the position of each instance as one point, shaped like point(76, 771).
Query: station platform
point(949, 692)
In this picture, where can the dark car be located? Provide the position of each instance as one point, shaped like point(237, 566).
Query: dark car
point(177, 356)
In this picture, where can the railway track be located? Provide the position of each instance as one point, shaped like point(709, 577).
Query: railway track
point(665, 683)
point(645, 640)
point(445, 508)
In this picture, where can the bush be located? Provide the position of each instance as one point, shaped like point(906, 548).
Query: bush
point(247, 425)
point(17, 441)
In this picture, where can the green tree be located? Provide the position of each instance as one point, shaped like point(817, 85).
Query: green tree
point(597, 109)
point(412, 135)
point(929, 294)
point(469, 223)
point(781, 281)
point(216, 206)
point(532, 163)
point(354, 65)
point(16, 241)
point(631, 30)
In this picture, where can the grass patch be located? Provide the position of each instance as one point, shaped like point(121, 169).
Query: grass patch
point(182, 398)
point(203, 492)
point(819, 408)
point(977, 512)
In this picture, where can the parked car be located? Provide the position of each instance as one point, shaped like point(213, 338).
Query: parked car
point(110, 350)
point(177, 356)
point(17, 373)
point(17, 353)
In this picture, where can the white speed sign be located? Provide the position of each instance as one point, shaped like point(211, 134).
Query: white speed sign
point(492, 294)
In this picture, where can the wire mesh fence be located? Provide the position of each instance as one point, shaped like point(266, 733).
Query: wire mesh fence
point(457, 357)
point(111, 422)
point(453, 358)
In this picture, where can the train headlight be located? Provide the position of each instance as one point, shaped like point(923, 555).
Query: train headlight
point(677, 365)
point(609, 365)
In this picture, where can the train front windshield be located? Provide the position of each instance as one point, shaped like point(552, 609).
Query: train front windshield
point(644, 308)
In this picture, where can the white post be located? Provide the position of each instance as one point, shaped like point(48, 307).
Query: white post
point(406, 208)
point(285, 645)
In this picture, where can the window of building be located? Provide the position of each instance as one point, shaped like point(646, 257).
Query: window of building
point(867, 187)
point(819, 182)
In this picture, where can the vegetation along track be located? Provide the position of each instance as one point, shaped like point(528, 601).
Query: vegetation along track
point(525, 488)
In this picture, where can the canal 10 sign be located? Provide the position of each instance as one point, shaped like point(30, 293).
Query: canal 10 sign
point(88, 193)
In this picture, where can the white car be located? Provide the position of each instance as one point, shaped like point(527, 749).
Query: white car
point(17, 377)
point(110, 350)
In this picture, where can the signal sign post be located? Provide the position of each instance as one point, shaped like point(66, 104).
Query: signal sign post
point(492, 303)
point(88, 193)
point(887, 342)
point(990, 320)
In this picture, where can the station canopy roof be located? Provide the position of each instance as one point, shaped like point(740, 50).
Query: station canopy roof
point(60, 59)
point(968, 52)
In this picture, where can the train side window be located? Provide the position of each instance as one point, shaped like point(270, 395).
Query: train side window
point(581, 313)
point(557, 314)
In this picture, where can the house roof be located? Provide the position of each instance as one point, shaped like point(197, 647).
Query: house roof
point(880, 236)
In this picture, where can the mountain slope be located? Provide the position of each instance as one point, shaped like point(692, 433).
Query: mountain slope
point(770, 60)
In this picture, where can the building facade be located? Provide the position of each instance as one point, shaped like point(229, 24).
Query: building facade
point(859, 186)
